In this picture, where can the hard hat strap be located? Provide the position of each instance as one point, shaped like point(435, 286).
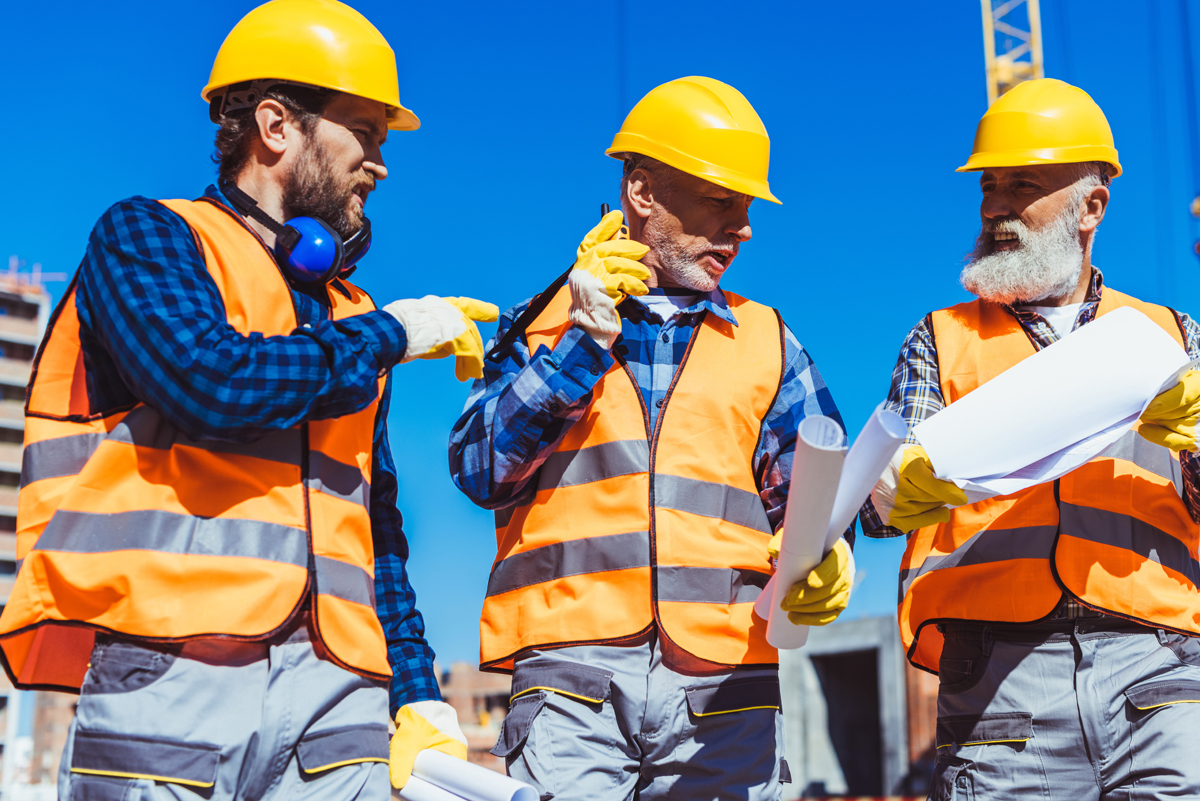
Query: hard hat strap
point(248, 94)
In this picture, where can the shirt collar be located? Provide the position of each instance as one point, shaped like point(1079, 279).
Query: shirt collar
point(714, 302)
point(1095, 289)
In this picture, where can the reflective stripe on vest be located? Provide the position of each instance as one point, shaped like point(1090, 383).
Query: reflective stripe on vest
point(1114, 533)
point(591, 559)
point(127, 525)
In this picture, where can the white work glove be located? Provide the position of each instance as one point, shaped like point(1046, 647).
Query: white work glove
point(421, 725)
point(429, 323)
point(592, 309)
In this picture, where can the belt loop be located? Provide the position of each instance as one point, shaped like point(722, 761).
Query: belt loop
point(1162, 636)
point(986, 640)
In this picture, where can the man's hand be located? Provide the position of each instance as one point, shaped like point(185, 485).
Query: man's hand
point(439, 327)
point(1170, 419)
point(421, 725)
point(824, 593)
point(606, 269)
point(909, 496)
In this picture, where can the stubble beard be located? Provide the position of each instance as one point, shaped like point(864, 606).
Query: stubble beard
point(312, 191)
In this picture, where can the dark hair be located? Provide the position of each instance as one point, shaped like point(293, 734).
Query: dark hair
point(238, 129)
point(664, 173)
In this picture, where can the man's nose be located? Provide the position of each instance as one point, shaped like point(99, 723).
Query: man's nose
point(739, 227)
point(995, 206)
point(376, 168)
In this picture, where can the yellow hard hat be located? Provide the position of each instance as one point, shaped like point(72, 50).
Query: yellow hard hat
point(704, 128)
point(316, 42)
point(1044, 121)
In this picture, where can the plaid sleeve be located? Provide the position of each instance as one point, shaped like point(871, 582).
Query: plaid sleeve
point(916, 394)
point(1188, 461)
point(802, 393)
point(411, 658)
point(520, 410)
point(147, 301)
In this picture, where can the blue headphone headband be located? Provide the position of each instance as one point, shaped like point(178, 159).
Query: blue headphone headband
point(308, 250)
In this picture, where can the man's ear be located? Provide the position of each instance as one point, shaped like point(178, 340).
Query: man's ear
point(1094, 206)
point(639, 194)
point(273, 132)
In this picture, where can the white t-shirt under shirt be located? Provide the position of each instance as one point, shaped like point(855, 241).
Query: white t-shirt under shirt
point(666, 303)
point(1060, 318)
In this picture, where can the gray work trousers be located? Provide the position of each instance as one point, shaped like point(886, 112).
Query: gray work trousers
point(606, 723)
point(1078, 710)
point(222, 721)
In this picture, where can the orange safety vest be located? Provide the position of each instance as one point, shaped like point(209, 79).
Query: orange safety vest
point(631, 527)
point(125, 525)
point(1114, 534)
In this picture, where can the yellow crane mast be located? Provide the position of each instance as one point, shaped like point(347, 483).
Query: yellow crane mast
point(1012, 44)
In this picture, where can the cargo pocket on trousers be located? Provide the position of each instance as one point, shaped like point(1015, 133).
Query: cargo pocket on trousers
point(951, 780)
point(517, 724)
point(957, 731)
point(121, 756)
point(334, 748)
point(1152, 695)
point(122, 667)
point(734, 695)
point(102, 788)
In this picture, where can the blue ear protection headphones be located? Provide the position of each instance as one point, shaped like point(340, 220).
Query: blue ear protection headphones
point(306, 249)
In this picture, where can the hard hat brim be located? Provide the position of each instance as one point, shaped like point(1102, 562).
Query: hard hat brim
point(735, 182)
point(1033, 158)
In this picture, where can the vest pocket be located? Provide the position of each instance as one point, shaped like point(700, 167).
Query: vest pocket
point(957, 731)
point(734, 695)
point(326, 750)
point(1154, 694)
point(121, 756)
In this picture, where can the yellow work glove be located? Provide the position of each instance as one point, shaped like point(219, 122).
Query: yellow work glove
point(824, 593)
point(922, 497)
point(612, 259)
point(1170, 419)
point(467, 346)
point(421, 725)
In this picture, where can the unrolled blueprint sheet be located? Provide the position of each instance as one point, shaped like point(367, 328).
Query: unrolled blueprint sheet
point(441, 777)
point(1055, 410)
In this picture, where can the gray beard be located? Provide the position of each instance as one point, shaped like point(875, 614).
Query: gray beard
point(1046, 265)
point(675, 260)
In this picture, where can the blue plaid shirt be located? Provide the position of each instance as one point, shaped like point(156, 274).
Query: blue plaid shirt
point(916, 392)
point(518, 413)
point(154, 329)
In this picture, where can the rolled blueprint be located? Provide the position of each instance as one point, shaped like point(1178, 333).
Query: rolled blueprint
point(417, 789)
point(454, 779)
point(1056, 410)
point(883, 434)
point(820, 453)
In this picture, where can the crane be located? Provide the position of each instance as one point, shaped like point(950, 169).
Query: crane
point(1012, 44)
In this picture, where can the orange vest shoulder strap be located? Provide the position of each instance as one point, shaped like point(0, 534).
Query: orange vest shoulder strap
point(551, 324)
point(1111, 299)
point(958, 332)
point(341, 307)
point(256, 296)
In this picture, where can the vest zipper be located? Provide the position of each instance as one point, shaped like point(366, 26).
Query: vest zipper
point(658, 424)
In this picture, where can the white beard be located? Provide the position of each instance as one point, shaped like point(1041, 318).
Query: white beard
point(1047, 263)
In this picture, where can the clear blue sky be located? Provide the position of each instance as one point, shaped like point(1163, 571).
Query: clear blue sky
point(869, 113)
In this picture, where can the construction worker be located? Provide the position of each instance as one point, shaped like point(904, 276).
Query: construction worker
point(1062, 620)
point(634, 432)
point(208, 519)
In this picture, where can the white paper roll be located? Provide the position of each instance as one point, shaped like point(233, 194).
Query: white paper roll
point(417, 789)
point(883, 434)
point(816, 469)
point(466, 780)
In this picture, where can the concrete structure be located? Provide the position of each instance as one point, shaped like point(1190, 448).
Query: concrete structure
point(34, 724)
point(858, 720)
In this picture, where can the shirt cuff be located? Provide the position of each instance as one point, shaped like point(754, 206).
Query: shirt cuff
point(581, 359)
point(388, 337)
